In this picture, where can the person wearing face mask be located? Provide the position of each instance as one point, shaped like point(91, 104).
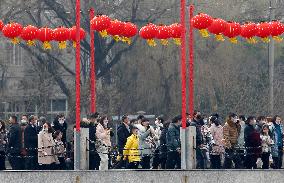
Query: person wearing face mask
point(216, 131)
point(231, 132)
point(158, 131)
point(252, 143)
point(103, 136)
point(261, 120)
point(3, 145)
point(60, 124)
point(46, 148)
point(30, 136)
point(277, 135)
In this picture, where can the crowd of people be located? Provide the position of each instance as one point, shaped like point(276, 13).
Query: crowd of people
point(239, 142)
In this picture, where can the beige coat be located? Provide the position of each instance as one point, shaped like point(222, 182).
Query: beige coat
point(103, 135)
point(46, 151)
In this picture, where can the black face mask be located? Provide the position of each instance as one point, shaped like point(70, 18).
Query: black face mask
point(217, 123)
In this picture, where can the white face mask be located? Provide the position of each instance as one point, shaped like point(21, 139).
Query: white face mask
point(105, 123)
point(61, 121)
point(45, 129)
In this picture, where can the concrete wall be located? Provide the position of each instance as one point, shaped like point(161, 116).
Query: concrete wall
point(207, 176)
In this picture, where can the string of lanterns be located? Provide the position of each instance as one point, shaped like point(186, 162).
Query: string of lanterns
point(125, 31)
point(249, 31)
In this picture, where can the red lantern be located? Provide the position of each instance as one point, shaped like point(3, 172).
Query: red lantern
point(249, 30)
point(202, 21)
point(100, 23)
point(12, 31)
point(130, 30)
point(149, 32)
point(277, 28)
point(232, 30)
point(115, 29)
point(163, 33)
point(176, 30)
point(1, 25)
point(29, 34)
point(61, 34)
point(264, 31)
point(217, 27)
point(45, 35)
point(73, 32)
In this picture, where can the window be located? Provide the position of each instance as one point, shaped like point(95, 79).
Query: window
point(59, 105)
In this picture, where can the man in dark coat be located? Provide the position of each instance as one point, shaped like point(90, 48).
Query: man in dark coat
point(60, 124)
point(14, 144)
point(30, 136)
point(94, 157)
point(123, 132)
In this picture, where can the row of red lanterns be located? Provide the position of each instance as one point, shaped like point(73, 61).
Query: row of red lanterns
point(124, 31)
point(30, 34)
point(232, 30)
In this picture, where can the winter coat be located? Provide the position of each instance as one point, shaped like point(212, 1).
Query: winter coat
point(103, 135)
point(241, 139)
point(3, 141)
point(59, 148)
point(173, 137)
point(122, 134)
point(14, 139)
point(146, 140)
point(217, 134)
point(231, 133)
point(199, 136)
point(30, 136)
point(252, 140)
point(92, 138)
point(163, 143)
point(265, 143)
point(131, 152)
point(277, 137)
point(62, 128)
point(46, 144)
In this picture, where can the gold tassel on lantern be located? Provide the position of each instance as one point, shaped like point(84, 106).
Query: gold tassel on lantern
point(233, 40)
point(164, 42)
point(31, 43)
point(62, 45)
point(15, 40)
point(204, 33)
point(251, 40)
point(177, 41)
point(219, 37)
point(103, 33)
point(116, 38)
point(277, 39)
point(265, 40)
point(46, 45)
point(151, 42)
point(74, 44)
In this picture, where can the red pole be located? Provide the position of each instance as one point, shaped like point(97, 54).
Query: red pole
point(191, 62)
point(78, 67)
point(183, 63)
point(92, 65)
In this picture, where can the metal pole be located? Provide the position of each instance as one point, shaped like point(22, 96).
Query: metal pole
point(271, 61)
point(78, 88)
point(93, 67)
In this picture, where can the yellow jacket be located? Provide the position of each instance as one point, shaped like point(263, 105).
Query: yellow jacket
point(131, 149)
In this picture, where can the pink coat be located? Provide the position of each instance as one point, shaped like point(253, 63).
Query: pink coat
point(217, 133)
point(102, 134)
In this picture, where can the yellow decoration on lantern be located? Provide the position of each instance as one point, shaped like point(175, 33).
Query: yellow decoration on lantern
point(265, 40)
point(103, 33)
point(151, 42)
point(251, 40)
point(234, 40)
point(15, 40)
point(62, 45)
point(31, 43)
point(46, 45)
point(74, 44)
point(204, 33)
point(277, 39)
point(219, 37)
point(177, 41)
point(116, 38)
point(164, 42)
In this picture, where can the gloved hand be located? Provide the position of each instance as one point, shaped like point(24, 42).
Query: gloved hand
point(118, 158)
